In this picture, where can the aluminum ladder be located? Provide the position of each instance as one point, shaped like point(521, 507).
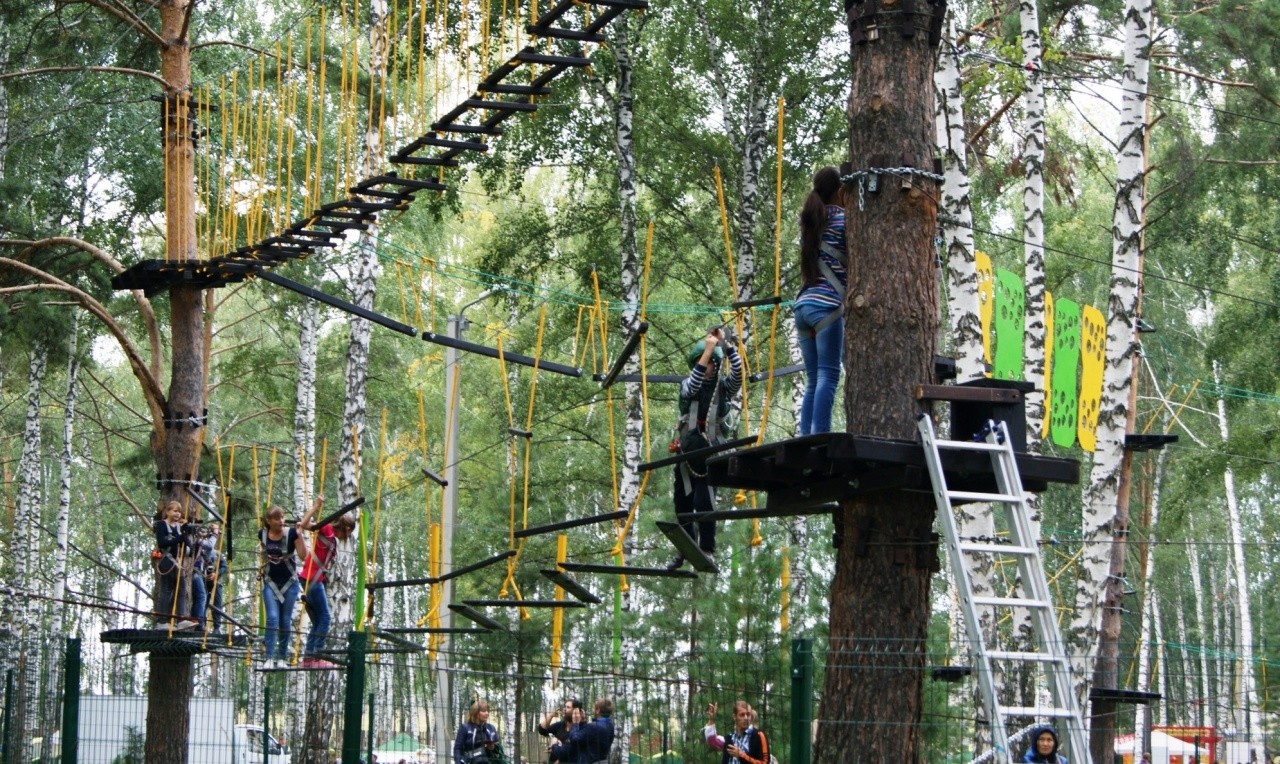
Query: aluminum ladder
point(1021, 545)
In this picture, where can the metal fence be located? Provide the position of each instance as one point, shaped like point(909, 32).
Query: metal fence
point(400, 702)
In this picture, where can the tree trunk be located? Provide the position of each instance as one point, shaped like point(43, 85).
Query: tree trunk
point(973, 520)
point(1033, 223)
point(1145, 648)
point(177, 448)
point(304, 412)
point(168, 722)
point(1202, 623)
point(30, 494)
point(1095, 628)
point(957, 226)
point(630, 267)
point(1245, 698)
point(871, 700)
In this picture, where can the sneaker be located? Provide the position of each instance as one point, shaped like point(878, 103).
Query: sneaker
point(182, 624)
point(710, 555)
point(316, 663)
point(676, 563)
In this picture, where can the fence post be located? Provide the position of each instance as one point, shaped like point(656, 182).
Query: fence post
point(801, 700)
point(6, 730)
point(370, 741)
point(71, 702)
point(351, 710)
point(266, 720)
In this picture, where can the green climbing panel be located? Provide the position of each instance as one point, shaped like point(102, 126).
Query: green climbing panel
point(1008, 321)
point(1066, 366)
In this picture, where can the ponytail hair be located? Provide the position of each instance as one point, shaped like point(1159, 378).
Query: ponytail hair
point(813, 218)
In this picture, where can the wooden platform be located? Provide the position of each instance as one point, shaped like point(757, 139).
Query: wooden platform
point(178, 644)
point(816, 469)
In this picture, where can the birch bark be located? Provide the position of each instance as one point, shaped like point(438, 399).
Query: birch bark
point(1033, 219)
point(1102, 522)
point(324, 702)
point(364, 280)
point(1245, 697)
point(30, 494)
point(965, 329)
point(1146, 623)
point(630, 266)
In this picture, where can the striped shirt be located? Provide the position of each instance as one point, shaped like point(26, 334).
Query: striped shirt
point(821, 293)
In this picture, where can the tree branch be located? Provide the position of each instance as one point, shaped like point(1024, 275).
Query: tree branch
point(106, 442)
point(144, 305)
point(128, 18)
point(994, 118)
point(233, 44)
point(150, 386)
point(108, 69)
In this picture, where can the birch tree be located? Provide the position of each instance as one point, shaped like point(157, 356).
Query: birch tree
point(1033, 138)
point(1244, 690)
point(1105, 517)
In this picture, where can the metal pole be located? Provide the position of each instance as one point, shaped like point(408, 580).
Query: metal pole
point(71, 701)
point(457, 327)
point(801, 700)
point(266, 722)
point(369, 760)
point(351, 710)
point(6, 730)
point(453, 396)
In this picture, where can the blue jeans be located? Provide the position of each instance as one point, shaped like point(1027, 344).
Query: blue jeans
point(822, 360)
point(316, 601)
point(279, 616)
point(199, 597)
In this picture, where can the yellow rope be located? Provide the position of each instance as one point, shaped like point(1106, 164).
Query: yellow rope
point(724, 225)
point(320, 112)
point(371, 558)
point(557, 617)
point(602, 315)
point(422, 439)
point(271, 477)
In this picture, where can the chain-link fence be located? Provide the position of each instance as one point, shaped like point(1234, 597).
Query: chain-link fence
point(409, 701)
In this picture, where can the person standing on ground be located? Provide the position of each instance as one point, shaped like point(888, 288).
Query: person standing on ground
point(558, 726)
point(746, 743)
point(819, 308)
point(477, 739)
point(1044, 747)
point(705, 409)
point(594, 740)
point(564, 751)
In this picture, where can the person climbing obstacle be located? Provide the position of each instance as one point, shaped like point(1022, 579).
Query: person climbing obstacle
point(315, 580)
point(281, 549)
point(705, 413)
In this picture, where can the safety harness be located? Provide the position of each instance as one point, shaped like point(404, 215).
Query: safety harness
point(834, 281)
point(278, 553)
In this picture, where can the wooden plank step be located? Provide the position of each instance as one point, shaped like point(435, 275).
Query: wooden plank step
point(625, 570)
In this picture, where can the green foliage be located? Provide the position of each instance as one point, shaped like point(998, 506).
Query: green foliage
point(134, 745)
